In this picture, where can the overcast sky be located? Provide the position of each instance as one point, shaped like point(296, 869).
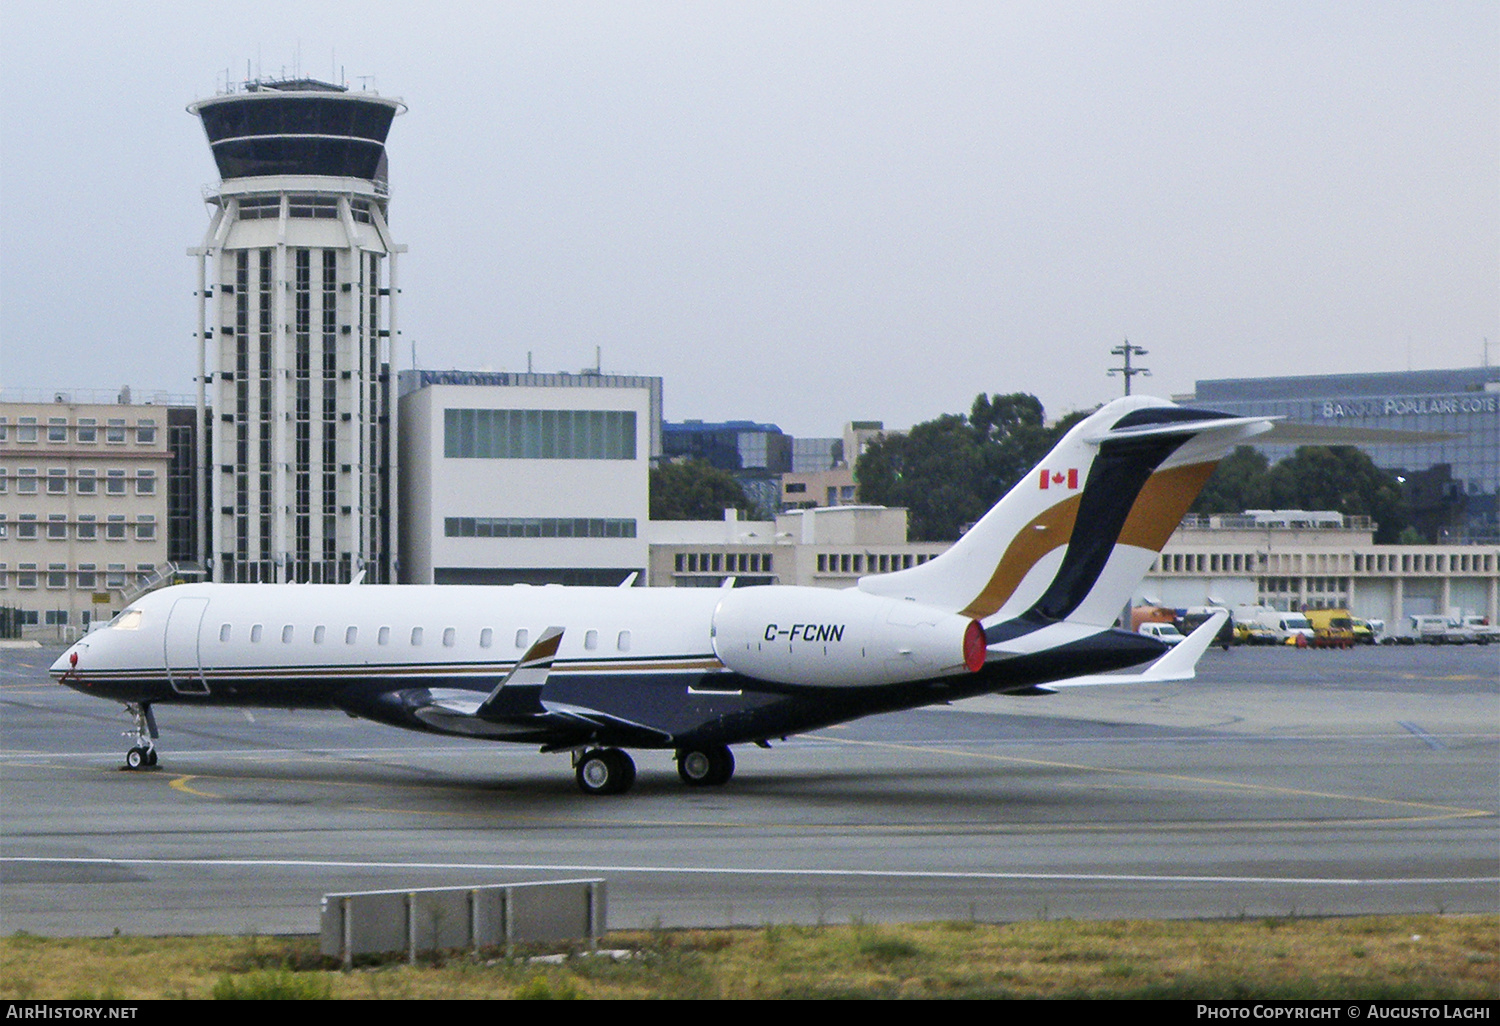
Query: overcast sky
point(801, 213)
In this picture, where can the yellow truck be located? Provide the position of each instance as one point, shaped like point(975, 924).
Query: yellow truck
point(1332, 628)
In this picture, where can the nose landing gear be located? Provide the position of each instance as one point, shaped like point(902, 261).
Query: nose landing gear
point(143, 753)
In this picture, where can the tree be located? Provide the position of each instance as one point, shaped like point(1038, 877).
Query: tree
point(1237, 484)
point(1339, 478)
point(694, 490)
point(949, 471)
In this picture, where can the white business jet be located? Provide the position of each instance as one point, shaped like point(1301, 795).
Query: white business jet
point(1023, 603)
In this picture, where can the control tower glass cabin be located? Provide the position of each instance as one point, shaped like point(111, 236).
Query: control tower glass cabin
point(296, 313)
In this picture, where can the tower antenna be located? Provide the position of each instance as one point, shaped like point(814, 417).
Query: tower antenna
point(1127, 350)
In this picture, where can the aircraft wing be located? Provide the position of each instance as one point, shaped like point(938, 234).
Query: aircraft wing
point(1179, 662)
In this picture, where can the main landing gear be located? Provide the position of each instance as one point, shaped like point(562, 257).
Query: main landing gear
point(143, 753)
point(710, 766)
point(611, 771)
point(604, 771)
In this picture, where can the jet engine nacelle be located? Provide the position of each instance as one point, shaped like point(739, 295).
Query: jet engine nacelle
point(820, 637)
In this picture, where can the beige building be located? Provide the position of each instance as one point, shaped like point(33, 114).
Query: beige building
point(811, 483)
point(83, 507)
point(826, 547)
point(1295, 559)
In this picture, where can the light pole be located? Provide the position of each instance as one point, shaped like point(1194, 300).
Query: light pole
point(1127, 350)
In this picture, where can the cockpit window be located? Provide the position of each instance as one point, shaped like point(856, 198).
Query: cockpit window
point(130, 620)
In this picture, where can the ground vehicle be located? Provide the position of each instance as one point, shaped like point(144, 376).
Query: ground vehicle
point(1438, 630)
point(1332, 628)
point(1284, 627)
point(1480, 627)
point(1366, 632)
point(1166, 633)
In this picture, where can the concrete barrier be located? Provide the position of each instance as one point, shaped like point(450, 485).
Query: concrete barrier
point(444, 918)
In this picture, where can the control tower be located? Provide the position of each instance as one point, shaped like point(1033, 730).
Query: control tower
point(296, 315)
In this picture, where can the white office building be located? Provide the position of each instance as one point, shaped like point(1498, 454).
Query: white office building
point(526, 478)
point(296, 313)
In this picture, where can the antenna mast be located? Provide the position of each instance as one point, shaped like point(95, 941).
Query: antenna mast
point(1127, 350)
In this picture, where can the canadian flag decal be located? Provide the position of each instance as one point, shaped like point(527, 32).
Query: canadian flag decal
point(1060, 478)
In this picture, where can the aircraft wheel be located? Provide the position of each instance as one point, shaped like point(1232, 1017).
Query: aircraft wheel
point(136, 758)
point(151, 757)
point(705, 767)
point(605, 771)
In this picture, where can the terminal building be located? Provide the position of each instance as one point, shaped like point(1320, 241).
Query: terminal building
point(296, 314)
point(1452, 486)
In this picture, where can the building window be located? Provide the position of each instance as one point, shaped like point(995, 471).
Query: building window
point(57, 481)
point(87, 482)
point(4, 480)
point(26, 481)
point(57, 526)
point(57, 429)
point(88, 430)
point(114, 527)
point(145, 528)
point(87, 527)
point(145, 432)
point(114, 482)
point(87, 578)
point(145, 482)
point(539, 527)
point(114, 576)
point(114, 431)
point(25, 575)
point(57, 575)
point(57, 618)
point(27, 528)
point(539, 434)
point(25, 429)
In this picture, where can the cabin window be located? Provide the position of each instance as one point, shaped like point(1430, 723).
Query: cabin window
point(224, 634)
point(623, 642)
point(384, 637)
point(255, 634)
point(486, 637)
point(521, 638)
point(450, 635)
point(351, 635)
point(591, 640)
point(286, 634)
point(318, 633)
point(416, 635)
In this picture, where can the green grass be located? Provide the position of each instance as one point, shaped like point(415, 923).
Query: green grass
point(1364, 958)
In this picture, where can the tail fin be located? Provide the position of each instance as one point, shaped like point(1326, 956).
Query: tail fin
point(1071, 540)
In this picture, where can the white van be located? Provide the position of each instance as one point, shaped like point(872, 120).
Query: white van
point(1166, 633)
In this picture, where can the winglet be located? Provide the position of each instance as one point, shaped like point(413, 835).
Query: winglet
point(1179, 663)
point(522, 686)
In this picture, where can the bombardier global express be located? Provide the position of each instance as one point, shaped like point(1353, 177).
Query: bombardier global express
point(1023, 603)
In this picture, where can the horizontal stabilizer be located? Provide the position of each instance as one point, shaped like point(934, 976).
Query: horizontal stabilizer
point(1179, 663)
point(1288, 433)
